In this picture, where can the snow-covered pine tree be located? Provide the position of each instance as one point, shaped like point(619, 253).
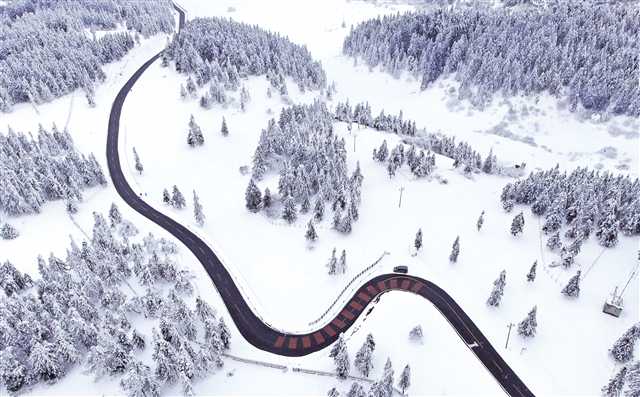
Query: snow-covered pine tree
point(318, 210)
point(342, 265)
point(194, 136)
point(554, 241)
point(356, 390)
point(384, 386)
point(405, 379)
point(224, 334)
point(622, 349)
point(567, 257)
point(8, 232)
point(224, 130)
point(198, 212)
point(332, 265)
point(311, 234)
point(289, 210)
point(177, 199)
point(528, 326)
point(416, 334)
point(480, 221)
point(613, 388)
point(517, 225)
point(417, 243)
point(572, 288)
point(633, 380)
point(498, 290)
point(138, 381)
point(138, 164)
point(364, 359)
point(166, 198)
point(267, 200)
point(333, 392)
point(455, 250)
point(340, 357)
point(253, 197)
point(607, 231)
point(531, 276)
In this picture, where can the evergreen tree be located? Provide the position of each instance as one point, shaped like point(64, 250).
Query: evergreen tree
point(531, 276)
point(318, 210)
point(416, 334)
point(405, 379)
point(342, 265)
point(622, 349)
point(177, 199)
point(455, 250)
point(417, 243)
point(166, 198)
point(356, 390)
point(138, 165)
point(311, 234)
point(333, 263)
point(253, 197)
point(114, 215)
point(8, 232)
point(517, 225)
point(480, 221)
point(44, 363)
point(498, 290)
point(138, 381)
point(183, 92)
point(194, 136)
point(554, 241)
point(607, 232)
point(224, 130)
point(384, 386)
point(333, 392)
point(340, 357)
point(633, 381)
point(527, 327)
point(567, 257)
point(573, 286)
point(225, 334)
point(198, 213)
point(363, 360)
point(266, 198)
point(614, 387)
point(289, 211)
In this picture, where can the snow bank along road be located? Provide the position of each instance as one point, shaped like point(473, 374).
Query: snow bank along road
point(262, 336)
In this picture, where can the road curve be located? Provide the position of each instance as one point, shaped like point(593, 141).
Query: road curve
point(262, 336)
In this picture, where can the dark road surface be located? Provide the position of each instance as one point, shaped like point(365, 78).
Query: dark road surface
point(262, 336)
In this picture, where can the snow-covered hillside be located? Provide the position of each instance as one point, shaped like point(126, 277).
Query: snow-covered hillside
point(284, 278)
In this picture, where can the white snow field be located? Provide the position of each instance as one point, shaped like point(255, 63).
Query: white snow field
point(287, 282)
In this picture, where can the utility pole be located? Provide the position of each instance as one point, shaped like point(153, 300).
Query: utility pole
point(400, 201)
point(354, 142)
point(508, 334)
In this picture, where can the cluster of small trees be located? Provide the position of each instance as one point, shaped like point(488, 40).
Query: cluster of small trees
point(627, 379)
point(176, 200)
point(584, 52)
point(420, 164)
point(220, 52)
point(45, 51)
point(584, 201)
point(364, 363)
point(79, 312)
point(361, 114)
point(337, 267)
point(312, 162)
point(35, 171)
point(462, 153)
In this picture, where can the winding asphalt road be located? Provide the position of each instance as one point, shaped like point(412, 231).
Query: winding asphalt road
point(264, 337)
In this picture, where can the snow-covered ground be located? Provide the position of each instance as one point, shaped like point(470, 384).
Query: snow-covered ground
point(569, 353)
